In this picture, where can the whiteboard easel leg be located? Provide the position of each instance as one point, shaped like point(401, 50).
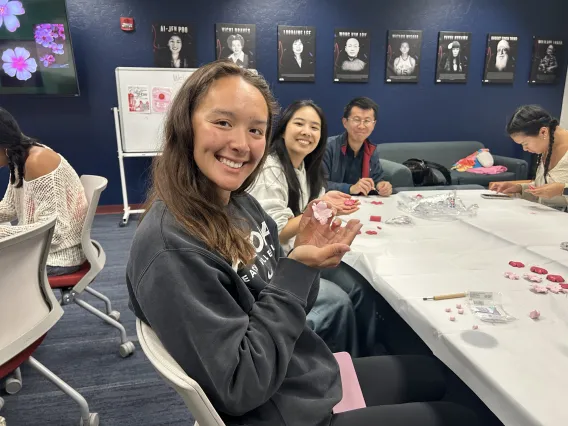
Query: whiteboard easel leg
point(126, 207)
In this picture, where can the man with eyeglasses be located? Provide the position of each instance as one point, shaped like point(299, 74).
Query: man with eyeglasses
point(351, 161)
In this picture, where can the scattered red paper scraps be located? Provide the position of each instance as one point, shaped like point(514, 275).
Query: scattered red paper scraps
point(516, 264)
point(532, 213)
point(418, 195)
point(448, 309)
point(371, 232)
point(534, 314)
point(359, 232)
point(460, 311)
point(474, 327)
point(459, 306)
point(378, 227)
point(538, 270)
point(377, 203)
point(375, 219)
point(452, 318)
point(555, 278)
point(350, 202)
point(564, 286)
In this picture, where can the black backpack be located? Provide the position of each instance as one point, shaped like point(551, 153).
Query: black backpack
point(428, 173)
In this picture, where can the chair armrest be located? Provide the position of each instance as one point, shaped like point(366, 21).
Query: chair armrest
point(515, 165)
point(396, 173)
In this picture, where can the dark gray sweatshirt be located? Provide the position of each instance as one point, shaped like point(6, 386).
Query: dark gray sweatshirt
point(239, 332)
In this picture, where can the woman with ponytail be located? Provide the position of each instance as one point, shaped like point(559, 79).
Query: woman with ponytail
point(42, 185)
point(538, 132)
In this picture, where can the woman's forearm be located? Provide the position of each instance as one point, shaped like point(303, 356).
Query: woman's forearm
point(290, 230)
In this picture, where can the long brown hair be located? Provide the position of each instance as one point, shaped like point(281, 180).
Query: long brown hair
point(176, 180)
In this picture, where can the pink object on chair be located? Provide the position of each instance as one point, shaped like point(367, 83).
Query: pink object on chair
point(352, 394)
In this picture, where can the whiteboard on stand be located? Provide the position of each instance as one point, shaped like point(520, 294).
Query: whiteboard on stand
point(143, 97)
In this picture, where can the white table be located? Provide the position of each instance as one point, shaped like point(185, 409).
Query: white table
point(519, 369)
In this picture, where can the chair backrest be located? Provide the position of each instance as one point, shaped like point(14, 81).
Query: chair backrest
point(93, 186)
point(170, 371)
point(28, 307)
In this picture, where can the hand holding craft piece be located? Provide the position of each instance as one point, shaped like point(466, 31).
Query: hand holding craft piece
point(350, 202)
point(321, 212)
point(538, 270)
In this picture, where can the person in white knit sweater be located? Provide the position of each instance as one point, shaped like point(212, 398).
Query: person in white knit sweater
point(291, 177)
point(538, 132)
point(42, 185)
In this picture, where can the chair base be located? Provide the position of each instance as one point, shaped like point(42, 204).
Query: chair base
point(13, 382)
point(90, 419)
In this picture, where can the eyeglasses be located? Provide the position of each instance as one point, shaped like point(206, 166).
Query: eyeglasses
point(357, 121)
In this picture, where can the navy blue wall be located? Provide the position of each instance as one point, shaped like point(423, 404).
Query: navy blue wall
point(82, 128)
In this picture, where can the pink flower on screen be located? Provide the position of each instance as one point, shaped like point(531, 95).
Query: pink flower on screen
point(17, 62)
point(57, 48)
point(322, 212)
point(8, 12)
point(47, 60)
point(43, 37)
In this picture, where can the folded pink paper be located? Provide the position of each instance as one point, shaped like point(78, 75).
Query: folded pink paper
point(352, 394)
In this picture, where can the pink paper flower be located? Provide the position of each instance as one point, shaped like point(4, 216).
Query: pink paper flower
point(17, 62)
point(460, 311)
point(532, 278)
point(321, 212)
point(539, 289)
point(350, 202)
point(511, 275)
point(8, 12)
point(534, 314)
point(554, 288)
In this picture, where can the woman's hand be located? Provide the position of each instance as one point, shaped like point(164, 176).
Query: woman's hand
point(337, 199)
point(549, 190)
point(506, 188)
point(384, 188)
point(323, 245)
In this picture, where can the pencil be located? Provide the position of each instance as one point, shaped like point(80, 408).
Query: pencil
point(446, 296)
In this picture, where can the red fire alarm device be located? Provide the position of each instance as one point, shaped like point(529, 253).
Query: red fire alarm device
point(126, 24)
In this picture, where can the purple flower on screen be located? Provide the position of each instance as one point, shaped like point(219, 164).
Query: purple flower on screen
point(47, 60)
point(17, 62)
point(8, 12)
point(43, 36)
point(57, 48)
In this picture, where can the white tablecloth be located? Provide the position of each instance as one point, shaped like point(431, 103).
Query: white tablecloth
point(519, 369)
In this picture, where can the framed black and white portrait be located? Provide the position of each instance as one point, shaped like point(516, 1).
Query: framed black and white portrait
point(236, 42)
point(174, 46)
point(351, 55)
point(453, 57)
point(500, 58)
point(547, 60)
point(296, 53)
point(403, 56)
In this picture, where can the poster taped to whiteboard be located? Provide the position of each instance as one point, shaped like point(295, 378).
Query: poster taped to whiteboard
point(138, 99)
point(161, 99)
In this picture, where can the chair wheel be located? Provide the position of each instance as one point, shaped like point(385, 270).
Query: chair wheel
point(115, 315)
point(126, 349)
point(93, 420)
point(12, 385)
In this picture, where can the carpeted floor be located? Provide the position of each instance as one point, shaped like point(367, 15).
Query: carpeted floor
point(83, 351)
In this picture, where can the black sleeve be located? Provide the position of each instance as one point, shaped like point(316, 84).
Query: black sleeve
point(239, 358)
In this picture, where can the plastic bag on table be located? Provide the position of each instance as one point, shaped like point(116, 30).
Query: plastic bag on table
point(446, 206)
point(400, 220)
point(487, 306)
